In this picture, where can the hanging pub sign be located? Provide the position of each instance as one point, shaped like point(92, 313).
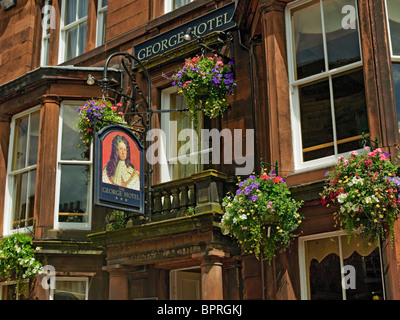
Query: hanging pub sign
point(119, 170)
point(217, 20)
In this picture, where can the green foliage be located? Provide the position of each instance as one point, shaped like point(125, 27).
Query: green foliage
point(262, 215)
point(117, 220)
point(365, 189)
point(17, 258)
point(205, 85)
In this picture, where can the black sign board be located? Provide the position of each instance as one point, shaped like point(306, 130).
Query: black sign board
point(119, 170)
point(217, 20)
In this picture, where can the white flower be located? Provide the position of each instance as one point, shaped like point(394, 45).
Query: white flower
point(356, 180)
point(341, 197)
point(243, 217)
point(234, 220)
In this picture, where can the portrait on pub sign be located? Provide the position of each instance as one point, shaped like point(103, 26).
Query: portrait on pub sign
point(121, 161)
point(119, 169)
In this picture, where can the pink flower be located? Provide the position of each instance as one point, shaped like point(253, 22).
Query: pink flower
point(219, 63)
point(113, 108)
point(383, 158)
point(379, 150)
point(120, 113)
point(354, 153)
point(119, 104)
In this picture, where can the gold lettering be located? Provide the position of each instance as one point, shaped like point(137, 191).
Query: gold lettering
point(141, 55)
point(210, 22)
point(169, 41)
point(155, 51)
point(219, 21)
point(164, 44)
point(180, 37)
point(226, 19)
point(204, 28)
point(148, 51)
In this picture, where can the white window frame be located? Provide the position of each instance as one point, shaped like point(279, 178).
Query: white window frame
point(101, 12)
point(165, 127)
point(302, 260)
point(62, 54)
point(168, 5)
point(9, 200)
point(73, 279)
point(395, 58)
point(71, 225)
point(299, 164)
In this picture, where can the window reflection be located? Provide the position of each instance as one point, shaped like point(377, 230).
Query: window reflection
point(74, 193)
point(71, 136)
point(324, 258)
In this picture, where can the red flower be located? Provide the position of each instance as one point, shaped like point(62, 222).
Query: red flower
point(277, 179)
point(264, 176)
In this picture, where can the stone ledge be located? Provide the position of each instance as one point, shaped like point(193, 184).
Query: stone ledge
point(157, 229)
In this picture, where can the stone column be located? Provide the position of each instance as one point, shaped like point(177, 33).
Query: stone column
point(118, 289)
point(47, 164)
point(211, 275)
point(276, 85)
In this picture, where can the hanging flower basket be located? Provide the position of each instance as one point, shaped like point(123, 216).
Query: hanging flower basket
point(101, 111)
point(205, 85)
point(17, 258)
point(261, 215)
point(364, 188)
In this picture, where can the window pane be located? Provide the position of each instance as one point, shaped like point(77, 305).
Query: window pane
point(20, 142)
point(308, 41)
point(45, 53)
point(103, 28)
point(70, 290)
point(393, 9)
point(342, 44)
point(70, 11)
point(104, 3)
point(82, 38)
point(82, 8)
point(20, 191)
point(316, 121)
point(182, 167)
point(350, 110)
point(367, 267)
point(74, 190)
point(31, 198)
point(72, 35)
point(24, 195)
point(323, 269)
point(179, 3)
point(396, 80)
point(71, 136)
point(33, 138)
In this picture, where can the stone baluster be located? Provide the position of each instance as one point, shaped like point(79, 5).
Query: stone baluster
point(157, 202)
point(175, 200)
point(166, 207)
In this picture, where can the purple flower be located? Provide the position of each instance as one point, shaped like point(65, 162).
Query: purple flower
point(253, 198)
